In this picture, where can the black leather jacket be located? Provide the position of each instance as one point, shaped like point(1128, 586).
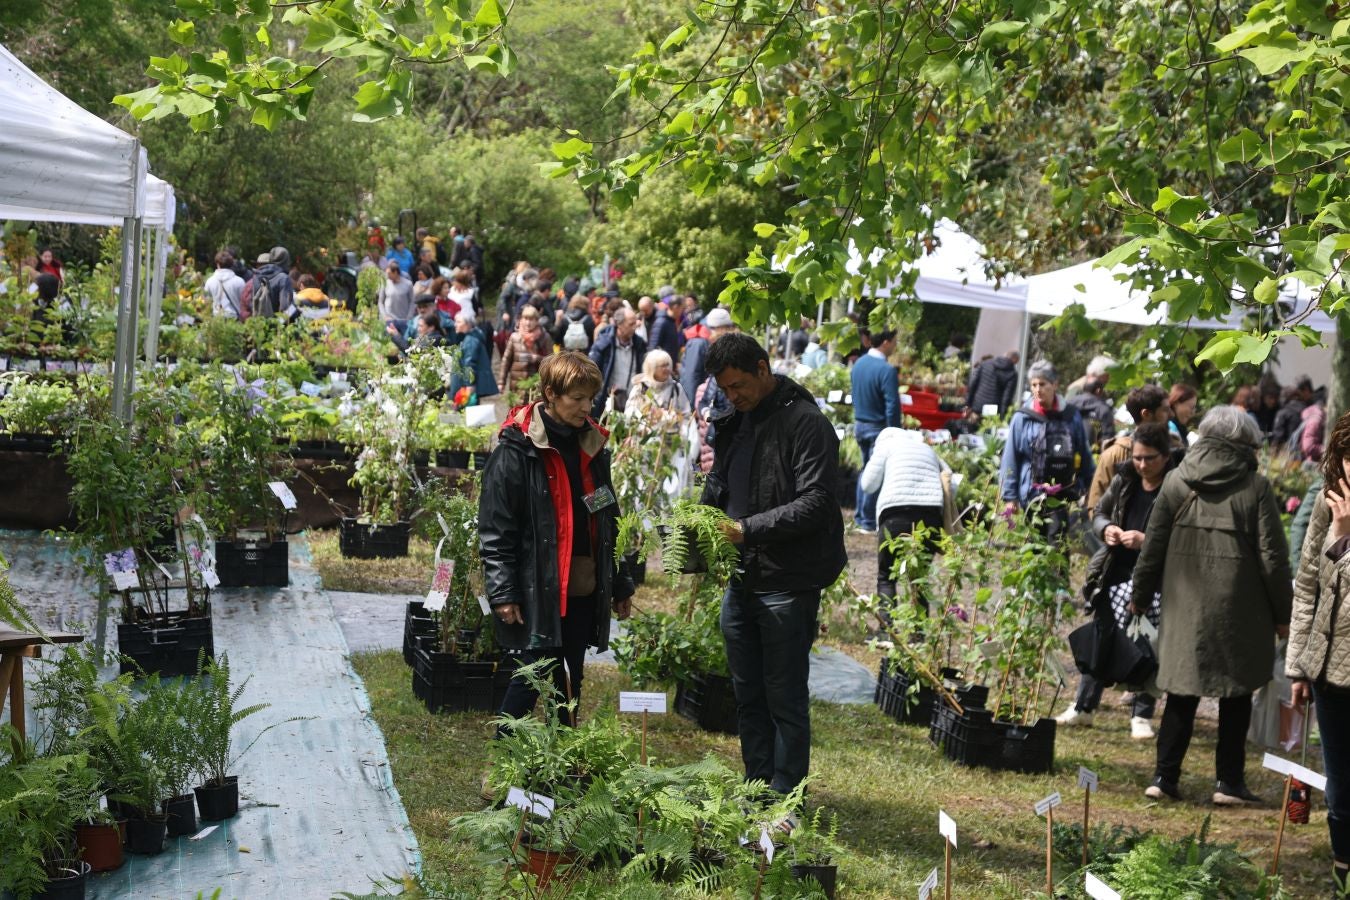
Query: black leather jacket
point(518, 537)
point(794, 536)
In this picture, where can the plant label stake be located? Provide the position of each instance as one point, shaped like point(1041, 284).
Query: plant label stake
point(1087, 780)
point(947, 828)
point(527, 803)
point(284, 494)
point(1046, 808)
point(929, 885)
point(765, 844)
point(1290, 771)
point(1097, 889)
point(643, 702)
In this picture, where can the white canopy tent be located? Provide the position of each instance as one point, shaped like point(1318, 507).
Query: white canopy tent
point(61, 163)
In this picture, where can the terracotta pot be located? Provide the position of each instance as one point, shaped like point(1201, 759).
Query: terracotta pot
point(543, 863)
point(101, 845)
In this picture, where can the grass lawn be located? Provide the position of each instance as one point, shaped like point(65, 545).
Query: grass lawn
point(885, 781)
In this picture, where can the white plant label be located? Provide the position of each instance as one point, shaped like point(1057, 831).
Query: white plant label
point(210, 578)
point(336, 377)
point(284, 494)
point(483, 605)
point(766, 844)
point(440, 585)
point(947, 827)
point(125, 581)
point(310, 389)
point(1097, 889)
point(538, 804)
point(205, 832)
point(848, 399)
point(835, 397)
point(1302, 773)
point(990, 649)
point(1087, 779)
point(641, 701)
point(434, 601)
point(929, 885)
point(1049, 803)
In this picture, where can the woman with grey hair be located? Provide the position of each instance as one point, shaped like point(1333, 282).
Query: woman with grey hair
point(1216, 549)
point(1047, 460)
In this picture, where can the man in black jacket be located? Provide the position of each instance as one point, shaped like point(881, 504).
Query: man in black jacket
point(775, 475)
point(993, 383)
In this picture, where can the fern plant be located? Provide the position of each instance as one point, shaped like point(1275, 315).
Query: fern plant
point(214, 709)
point(690, 525)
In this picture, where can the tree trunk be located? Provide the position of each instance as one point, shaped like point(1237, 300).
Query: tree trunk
point(1338, 392)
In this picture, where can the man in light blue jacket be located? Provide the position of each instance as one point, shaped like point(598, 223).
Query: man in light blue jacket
point(876, 405)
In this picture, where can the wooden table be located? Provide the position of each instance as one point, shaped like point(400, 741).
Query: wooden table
point(14, 646)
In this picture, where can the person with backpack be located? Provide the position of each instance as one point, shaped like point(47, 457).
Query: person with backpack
point(270, 292)
point(576, 331)
point(1047, 460)
point(225, 288)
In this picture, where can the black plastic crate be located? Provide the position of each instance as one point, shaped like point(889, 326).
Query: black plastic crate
point(461, 459)
point(417, 622)
point(893, 697)
point(167, 643)
point(358, 540)
point(445, 683)
point(253, 563)
point(974, 738)
point(1026, 749)
point(709, 702)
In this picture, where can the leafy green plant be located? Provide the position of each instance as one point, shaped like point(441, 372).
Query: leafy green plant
point(34, 404)
point(1194, 868)
point(216, 711)
point(814, 841)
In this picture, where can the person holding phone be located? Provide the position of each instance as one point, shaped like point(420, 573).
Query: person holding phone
point(1317, 660)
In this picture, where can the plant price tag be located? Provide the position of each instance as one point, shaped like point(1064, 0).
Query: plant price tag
point(1097, 889)
point(284, 494)
point(947, 827)
point(639, 701)
point(929, 885)
point(1049, 803)
point(532, 803)
point(483, 605)
point(440, 585)
point(1087, 779)
point(1302, 773)
point(210, 578)
point(121, 567)
point(766, 844)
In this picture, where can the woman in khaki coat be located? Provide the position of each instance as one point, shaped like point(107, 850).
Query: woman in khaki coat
point(1215, 548)
point(1318, 658)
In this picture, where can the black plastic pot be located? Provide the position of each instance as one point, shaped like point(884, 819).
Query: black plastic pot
point(167, 643)
point(708, 701)
point(68, 886)
point(182, 813)
point(359, 540)
point(217, 802)
point(253, 563)
point(825, 876)
point(146, 835)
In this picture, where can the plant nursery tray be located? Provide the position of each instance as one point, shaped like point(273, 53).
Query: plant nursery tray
point(709, 702)
point(446, 683)
point(253, 563)
point(417, 622)
point(28, 443)
point(461, 459)
point(358, 540)
point(893, 697)
point(168, 644)
point(326, 450)
point(975, 738)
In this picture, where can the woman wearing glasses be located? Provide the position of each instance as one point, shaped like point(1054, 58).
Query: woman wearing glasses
point(1120, 520)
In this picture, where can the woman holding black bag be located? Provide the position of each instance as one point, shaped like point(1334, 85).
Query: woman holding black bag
point(1120, 520)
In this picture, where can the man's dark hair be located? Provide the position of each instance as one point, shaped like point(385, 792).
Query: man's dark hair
point(224, 260)
point(1148, 397)
point(48, 286)
point(1155, 436)
point(1304, 383)
point(881, 337)
point(735, 351)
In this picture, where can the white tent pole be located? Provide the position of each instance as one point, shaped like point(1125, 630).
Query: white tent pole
point(1023, 362)
point(124, 362)
point(154, 300)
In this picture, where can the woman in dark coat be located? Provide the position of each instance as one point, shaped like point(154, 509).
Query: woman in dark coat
point(1216, 550)
point(547, 520)
point(1121, 521)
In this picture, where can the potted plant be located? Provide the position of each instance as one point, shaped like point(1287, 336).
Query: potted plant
point(240, 459)
point(215, 712)
point(34, 410)
point(812, 847)
point(42, 799)
point(167, 711)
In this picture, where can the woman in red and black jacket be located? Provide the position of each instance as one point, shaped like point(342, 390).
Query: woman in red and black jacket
point(547, 520)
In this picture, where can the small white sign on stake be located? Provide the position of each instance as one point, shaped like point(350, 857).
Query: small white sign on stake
point(1087, 778)
point(766, 844)
point(284, 494)
point(642, 701)
point(1097, 889)
point(1302, 773)
point(1049, 803)
point(835, 396)
point(929, 885)
point(532, 803)
point(947, 827)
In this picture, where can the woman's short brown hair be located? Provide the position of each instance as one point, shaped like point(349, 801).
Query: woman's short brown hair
point(568, 371)
point(1336, 452)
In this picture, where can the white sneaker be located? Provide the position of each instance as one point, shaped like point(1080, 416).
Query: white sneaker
point(1141, 729)
point(1072, 716)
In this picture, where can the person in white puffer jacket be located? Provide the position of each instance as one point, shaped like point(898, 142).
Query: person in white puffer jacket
point(908, 476)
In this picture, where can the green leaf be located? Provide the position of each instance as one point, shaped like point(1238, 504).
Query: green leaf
point(478, 61)
point(232, 39)
point(1001, 32)
point(489, 14)
point(193, 104)
point(1242, 36)
point(183, 32)
point(1241, 147)
point(1221, 349)
point(1271, 57)
point(1267, 291)
point(683, 123)
point(1126, 251)
point(765, 229)
point(940, 69)
point(677, 37)
point(571, 148)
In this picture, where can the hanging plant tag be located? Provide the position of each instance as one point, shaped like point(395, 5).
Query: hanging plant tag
point(766, 844)
point(947, 827)
point(1097, 889)
point(990, 649)
point(532, 803)
point(640, 701)
point(210, 578)
point(835, 397)
point(929, 885)
point(284, 494)
point(483, 605)
point(1087, 779)
point(121, 567)
point(1049, 803)
point(1302, 773)
point(440, 585)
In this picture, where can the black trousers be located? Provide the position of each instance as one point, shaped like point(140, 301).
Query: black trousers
point(895, 521)
point(1178, 724)
point(576, 636)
